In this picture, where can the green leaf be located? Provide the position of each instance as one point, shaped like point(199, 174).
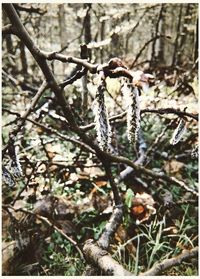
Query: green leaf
point(128, 198)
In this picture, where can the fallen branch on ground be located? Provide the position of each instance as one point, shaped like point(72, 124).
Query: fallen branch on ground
point(103, 260)
point(159, 267)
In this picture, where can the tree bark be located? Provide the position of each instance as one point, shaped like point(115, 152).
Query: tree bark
point(176, 44)
point(62, 30)
point(23, 59)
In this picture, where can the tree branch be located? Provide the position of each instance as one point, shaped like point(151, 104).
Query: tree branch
point(103, 260)
point(159, 267)
point(171, 111)
point(116, 217)
point(145, 45)
point(64, 137)
point(24, 116)
point(29, 10)
point(111, 227)
point(8, 29)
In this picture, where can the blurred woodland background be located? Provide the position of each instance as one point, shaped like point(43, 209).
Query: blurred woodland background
point(138, 203)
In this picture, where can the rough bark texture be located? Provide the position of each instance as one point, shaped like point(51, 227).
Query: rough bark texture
point(103, 260)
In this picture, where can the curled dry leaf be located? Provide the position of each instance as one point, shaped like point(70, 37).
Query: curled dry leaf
point(141, 80)
point(173, 166)
point(142, 207)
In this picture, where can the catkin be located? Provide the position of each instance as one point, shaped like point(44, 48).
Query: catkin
point(16, 167)
point(15, 164)
point(7, 177)
point(131, 95)
point(178, 132)
point(103, 128)
point(195, 152)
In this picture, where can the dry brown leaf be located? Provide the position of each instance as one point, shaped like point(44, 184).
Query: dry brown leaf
point(121, 234)
point(53, 168)
point(98, 184)
point(99, 202)
point(83, 176)
point(143, 207)
point(173, 166)
point(101, 183)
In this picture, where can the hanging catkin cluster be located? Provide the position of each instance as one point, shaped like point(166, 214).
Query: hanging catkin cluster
point(101, 117)
point(131, 95)
point(178, 132)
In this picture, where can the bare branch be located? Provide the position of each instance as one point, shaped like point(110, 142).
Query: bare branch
point(22, 84)
point(145, 45)
point(8, 29)
point(159, 267)
point(103, 260)
point(30, 9)
point(173, 111)
point(24, 116)
point(70, 139)
point(111, 227)
point(158, 111)
point(116, 217)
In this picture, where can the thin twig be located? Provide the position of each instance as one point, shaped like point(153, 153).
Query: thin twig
point(171, 111)
point(145, 45)
point(22, 119)
point(158, 111)
point(67, 138)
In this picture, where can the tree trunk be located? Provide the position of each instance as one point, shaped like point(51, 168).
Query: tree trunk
point(155, 51)
point(174, 59)
point(161, 49)
point(87, 27)
point(184, 33)
point(62, 30)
